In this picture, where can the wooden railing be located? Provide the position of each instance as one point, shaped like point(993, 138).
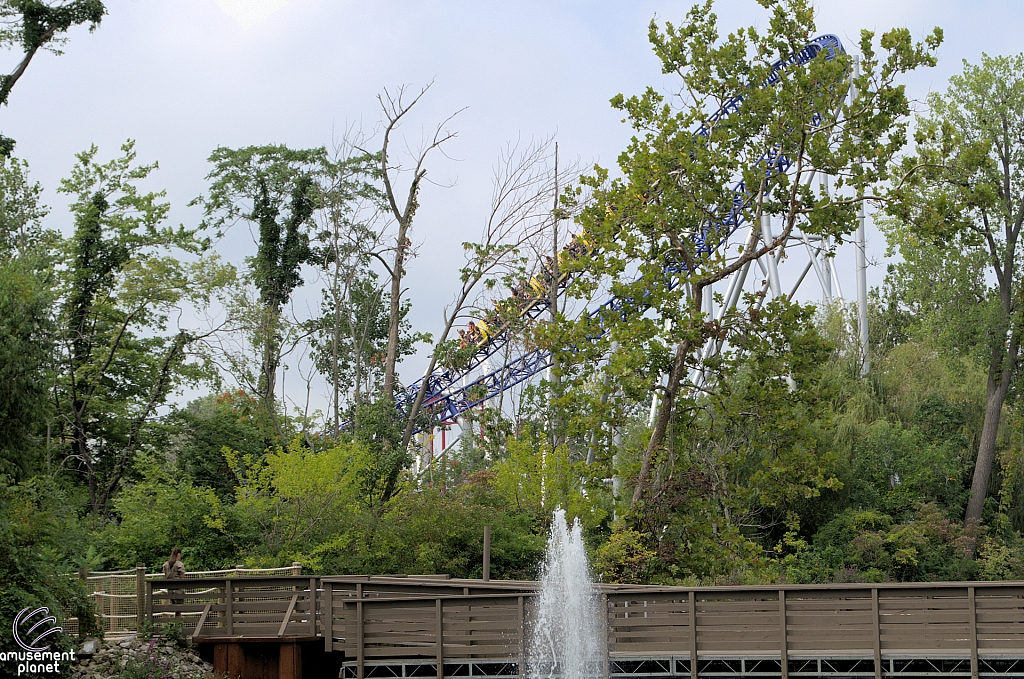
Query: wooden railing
point(452, 627)
point(954, 619)
point(933, 620)
point(258, 608)
point(378, 619)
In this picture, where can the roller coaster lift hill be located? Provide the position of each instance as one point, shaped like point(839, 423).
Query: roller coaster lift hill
point(452, 391)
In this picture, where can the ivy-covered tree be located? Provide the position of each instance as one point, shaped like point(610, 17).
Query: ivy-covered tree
point(273, 187)
point(118, 360)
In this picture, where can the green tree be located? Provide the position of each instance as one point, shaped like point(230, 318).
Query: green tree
point(742, 462)
point(198, 434)
point(26, 340)
point(21, 213)
point(120, 282)
point(26, 328)
point(344, 339)
point(966, 196)
point(433, 532)
point(35, 24)
point(677, 186)
point(296, 498)
point(535, 478)
point(161, 509)
point(274, 188)
point(349, 342)
point(41, 541)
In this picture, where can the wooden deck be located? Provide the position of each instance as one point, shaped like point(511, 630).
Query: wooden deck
point(437, 621)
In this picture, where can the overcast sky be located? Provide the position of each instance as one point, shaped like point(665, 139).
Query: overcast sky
point(184, 76)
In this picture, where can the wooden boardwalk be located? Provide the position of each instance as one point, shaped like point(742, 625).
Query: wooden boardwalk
point(436, 627)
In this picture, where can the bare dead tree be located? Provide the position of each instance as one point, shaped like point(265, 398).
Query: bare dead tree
point(394, 107)
point(524, 186)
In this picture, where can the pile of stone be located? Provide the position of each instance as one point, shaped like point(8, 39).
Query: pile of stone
point(135, 658)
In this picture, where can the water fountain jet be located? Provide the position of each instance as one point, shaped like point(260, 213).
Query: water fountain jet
point(567, 638)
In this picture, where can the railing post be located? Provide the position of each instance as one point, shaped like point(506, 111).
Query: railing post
point(877, 628)
point(98, 598)
point(605, 670)
point(360, 655)
point(439, 628)
point(228, 608)
point(487, 553)
point(149, 602)
point(312, 607)
point(327, 616)
point(296, 568)
point(693, 635)
point(972, 606)
point(783, 645)
point(140, 596)
point(522, 639)
point(220, 601)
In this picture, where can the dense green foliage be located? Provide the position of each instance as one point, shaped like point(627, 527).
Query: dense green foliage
point(41, 540)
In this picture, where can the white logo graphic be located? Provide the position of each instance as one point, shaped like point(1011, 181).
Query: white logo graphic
point(45, 626)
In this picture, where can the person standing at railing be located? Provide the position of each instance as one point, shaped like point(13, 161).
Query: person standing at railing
point(174, 569)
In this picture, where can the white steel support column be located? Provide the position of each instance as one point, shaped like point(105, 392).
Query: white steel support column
point(826, 243)
point(823, 280)
point(862, 266)
point(772, 262)
point(826, 270)
point(862, 294)
point(800, 280)
point(738, 279)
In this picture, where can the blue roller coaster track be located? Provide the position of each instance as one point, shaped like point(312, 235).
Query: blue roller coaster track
point(452, 392)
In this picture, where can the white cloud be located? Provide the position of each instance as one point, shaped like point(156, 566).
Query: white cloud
point(250, 12)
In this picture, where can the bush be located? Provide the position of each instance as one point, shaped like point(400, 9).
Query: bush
point(870, 546)
point(163, 510)
point(36, 530)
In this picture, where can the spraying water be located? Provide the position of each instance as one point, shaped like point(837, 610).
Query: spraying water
point(567, 638)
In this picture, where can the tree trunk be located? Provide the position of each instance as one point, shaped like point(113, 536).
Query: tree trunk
point(417, 403)
point(553, 304)
point(667, 403)
point(80, 444)
point(664, 415)
point(395, 311)
point(1002, 363)
point(8, 82)
point(998, 385)
point(269, 362)
point(335, 333)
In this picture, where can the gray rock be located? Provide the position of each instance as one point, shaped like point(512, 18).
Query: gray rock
point(90, 647)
